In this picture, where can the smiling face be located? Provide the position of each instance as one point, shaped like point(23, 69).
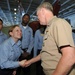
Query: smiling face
point(16, 33)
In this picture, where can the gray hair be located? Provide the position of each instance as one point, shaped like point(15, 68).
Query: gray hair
point(46, 5)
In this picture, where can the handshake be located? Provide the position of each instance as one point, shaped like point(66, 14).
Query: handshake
point(25, 63)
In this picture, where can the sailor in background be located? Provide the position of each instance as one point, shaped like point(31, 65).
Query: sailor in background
point(38, 42)
point(3, 36)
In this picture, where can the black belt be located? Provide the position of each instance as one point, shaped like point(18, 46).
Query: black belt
point(7, 69)
point(25, 49)
point(39, 49)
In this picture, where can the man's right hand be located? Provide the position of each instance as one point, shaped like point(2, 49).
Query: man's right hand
point(22, 63)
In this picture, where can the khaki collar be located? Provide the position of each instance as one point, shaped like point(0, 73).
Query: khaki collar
point(51, 20)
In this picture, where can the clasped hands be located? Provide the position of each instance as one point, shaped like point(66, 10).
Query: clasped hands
point(25, 63)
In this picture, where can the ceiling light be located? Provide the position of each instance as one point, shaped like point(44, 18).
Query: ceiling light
point(15, 9)
point(15, 13)
point(15, 17)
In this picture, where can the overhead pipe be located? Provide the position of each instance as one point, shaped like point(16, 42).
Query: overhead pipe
point(29, 6)
point(4, 16)
point(35, 10)
point(67, 8)
point(10, 12)
point(65, 2)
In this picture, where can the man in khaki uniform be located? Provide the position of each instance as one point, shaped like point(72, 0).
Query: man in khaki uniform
point(58, 54)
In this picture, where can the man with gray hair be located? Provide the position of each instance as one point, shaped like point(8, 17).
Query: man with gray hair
point(58, 54)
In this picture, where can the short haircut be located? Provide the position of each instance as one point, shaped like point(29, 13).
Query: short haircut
point(26, 15)
point(1, 20)
point(46, 5)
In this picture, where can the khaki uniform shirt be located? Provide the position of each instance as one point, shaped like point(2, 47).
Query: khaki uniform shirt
point(58, 33)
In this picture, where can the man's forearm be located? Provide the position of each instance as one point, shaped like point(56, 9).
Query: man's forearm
point(66, 61)
point(35, 59)
point(64, 66)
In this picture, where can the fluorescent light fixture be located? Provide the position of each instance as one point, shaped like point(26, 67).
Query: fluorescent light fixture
point(15, 9)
